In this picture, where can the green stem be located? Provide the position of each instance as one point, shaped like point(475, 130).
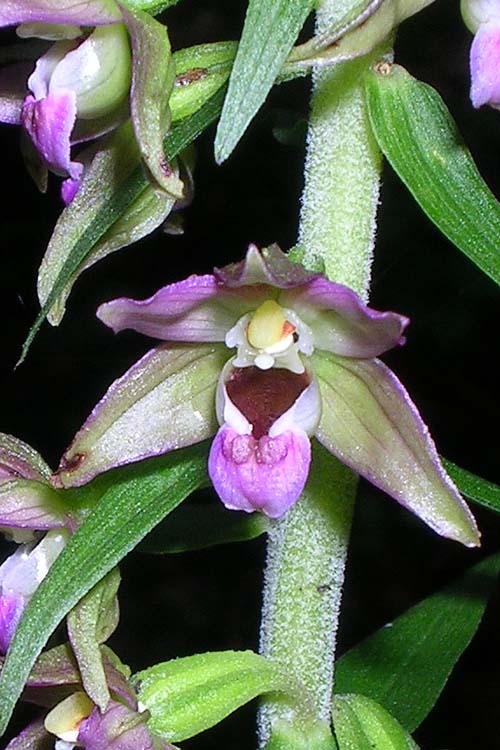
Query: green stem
point(307, 549)
point(302, 590)
point(342, 173)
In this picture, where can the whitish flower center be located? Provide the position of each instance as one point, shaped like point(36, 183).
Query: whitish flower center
point(272, 336)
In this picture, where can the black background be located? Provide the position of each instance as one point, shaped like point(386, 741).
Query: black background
point(209, 600)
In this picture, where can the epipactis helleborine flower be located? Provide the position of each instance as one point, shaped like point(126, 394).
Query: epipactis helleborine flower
point(286, 354)
point(79, 88)
point(482, 17)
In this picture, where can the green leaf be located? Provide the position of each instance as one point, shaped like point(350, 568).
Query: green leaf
point(120, 157)
point(363, 724)
point(270, 30)
point(405, 665)
point(87, 234)
point(192, 527)
point(90, 623)
point(418, 136)
point(476, 489)
point(143, 495)
point(186, 696)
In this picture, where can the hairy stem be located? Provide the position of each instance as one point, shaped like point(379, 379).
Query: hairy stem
point(307, 549)
point(302, 591)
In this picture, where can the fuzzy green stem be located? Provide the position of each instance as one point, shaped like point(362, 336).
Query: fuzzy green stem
point(302, 590)
point(307, 549)
point(342, 171)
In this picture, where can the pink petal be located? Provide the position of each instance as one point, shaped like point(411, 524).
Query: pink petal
point(79, 12)
point(268, 474)
point(49, 123)
point(69, 189)
point(196, 309)
point(118, 728)
point(11, 609)
point(485, 66)
point(341, 322)
point(268, 266)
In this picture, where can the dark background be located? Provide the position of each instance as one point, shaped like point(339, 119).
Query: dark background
point(209, 600)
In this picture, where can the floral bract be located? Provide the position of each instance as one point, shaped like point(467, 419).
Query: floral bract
point(283, 354)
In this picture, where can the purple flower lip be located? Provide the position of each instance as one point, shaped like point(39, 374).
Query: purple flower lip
point(485, 65)
point(285, 323)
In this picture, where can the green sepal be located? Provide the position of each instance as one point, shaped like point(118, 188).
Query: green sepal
point(361, 723)
point(164, 402)
point(371, 424)
point(119, 156)
point(418, 136)
point(20, 459)
point(188, 695)
point(47, 503)
point(405, 665)
point(90, 623)
point(153, 77)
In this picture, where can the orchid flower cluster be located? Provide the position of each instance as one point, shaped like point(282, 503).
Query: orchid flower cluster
point(264, 374)
point(297, 354)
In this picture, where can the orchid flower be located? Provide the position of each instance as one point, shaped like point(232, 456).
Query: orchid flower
point(278, 354)
point(482, 17)
point(79, 87)
point(75, 722)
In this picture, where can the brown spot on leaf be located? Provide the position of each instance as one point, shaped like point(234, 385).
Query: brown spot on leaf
point(190, 76)
point(71, 463)
point(383, 68)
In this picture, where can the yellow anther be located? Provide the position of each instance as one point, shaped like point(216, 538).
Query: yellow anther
point(267, 325)
point(65, 718)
